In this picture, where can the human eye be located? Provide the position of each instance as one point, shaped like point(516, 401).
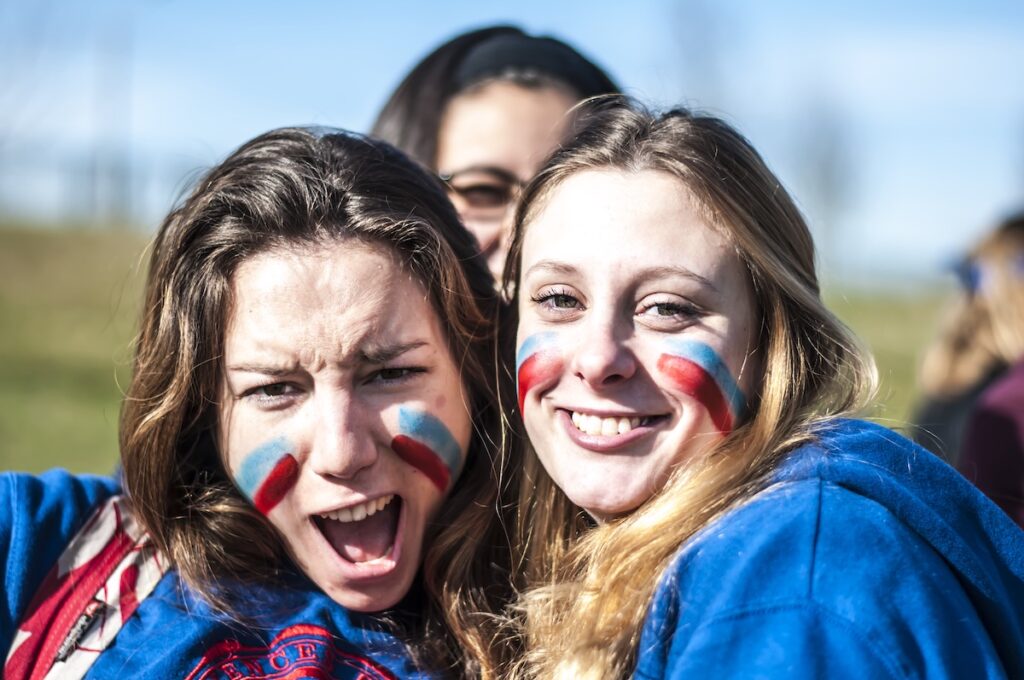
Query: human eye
point(485, 195)
point(394, 375)
point(663, 310)
point(557, 299)
point(272, 395)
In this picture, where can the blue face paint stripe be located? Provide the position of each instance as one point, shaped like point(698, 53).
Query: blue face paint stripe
point(259, 463)
point(429, 430)
point(532, 344)
point(705, 357)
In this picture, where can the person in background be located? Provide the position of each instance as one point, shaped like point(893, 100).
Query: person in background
point(697, 500)
point(483, 111)
point(310, 421)
point(993, 447)
point(982, 336)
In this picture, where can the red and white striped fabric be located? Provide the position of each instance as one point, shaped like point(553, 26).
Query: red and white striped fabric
point(96, 585)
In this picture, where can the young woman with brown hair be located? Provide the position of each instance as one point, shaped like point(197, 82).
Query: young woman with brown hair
point(309, 421)
point(484, 110)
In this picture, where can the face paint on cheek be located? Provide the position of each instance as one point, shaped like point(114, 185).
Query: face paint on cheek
point(695, 369)
point(425, 443)
point(267, 474)
point(538, 362)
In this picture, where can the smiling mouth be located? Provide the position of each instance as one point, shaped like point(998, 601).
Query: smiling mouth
point(364, 532)
point(607, 426)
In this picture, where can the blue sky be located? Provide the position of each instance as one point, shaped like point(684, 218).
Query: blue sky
point(923, 102)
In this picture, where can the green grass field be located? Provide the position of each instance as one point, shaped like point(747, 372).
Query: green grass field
point(68, 305)
point(68, 302)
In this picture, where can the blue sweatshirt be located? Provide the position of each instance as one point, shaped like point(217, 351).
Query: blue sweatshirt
point(866, 557)
point(297, 631)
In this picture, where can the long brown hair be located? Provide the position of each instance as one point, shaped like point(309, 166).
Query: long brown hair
point(287, 187)
point(588, 587)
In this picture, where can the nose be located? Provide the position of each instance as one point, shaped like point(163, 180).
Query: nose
point(344, 442)
point(602, 358)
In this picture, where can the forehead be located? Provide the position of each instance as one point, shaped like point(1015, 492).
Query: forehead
point(338, 294)
point(613, 218)
point(503, 124)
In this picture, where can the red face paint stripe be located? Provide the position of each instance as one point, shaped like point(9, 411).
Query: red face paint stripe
point(537, 368)
point(423, 458)
point(695, 381)
point(278, 483)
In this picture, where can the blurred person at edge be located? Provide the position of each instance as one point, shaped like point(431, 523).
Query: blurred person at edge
point(982, 335)
point(992, 451)
point(483, 111)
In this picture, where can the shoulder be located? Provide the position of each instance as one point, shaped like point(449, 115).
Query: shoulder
point(38, 517)
point(39, 512)
point(826, 571)
point(1007, 392)
point(996, 426)
point(54, 492)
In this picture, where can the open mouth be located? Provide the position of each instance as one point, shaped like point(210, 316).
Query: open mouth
point(607, 426)
point(365, 532)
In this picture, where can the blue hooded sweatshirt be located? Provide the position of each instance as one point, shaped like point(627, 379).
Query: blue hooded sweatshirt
point(865, 557)
point(293, 629)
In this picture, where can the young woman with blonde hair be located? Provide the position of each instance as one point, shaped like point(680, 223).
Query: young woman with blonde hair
point(992, 450)
point(695, 500)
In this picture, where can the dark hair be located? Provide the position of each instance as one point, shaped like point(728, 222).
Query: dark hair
point(307, 187)
point(412, 115)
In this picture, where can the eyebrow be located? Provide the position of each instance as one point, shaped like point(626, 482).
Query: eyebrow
point(275, 371)
point(373, 354)
point(556, 267)
point(381, 354)
point(553, 266)
point(674, 270)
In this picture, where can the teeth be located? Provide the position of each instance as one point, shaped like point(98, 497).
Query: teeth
point(605, 427)
point(359, 512)
point(624, 426)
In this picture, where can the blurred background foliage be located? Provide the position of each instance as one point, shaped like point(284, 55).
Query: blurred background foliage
point(69, 297)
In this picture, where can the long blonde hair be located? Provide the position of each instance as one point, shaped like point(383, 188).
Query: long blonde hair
point(587, 587)
point(985, 327)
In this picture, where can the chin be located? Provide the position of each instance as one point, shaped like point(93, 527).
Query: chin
point(370, 599)
point(601, 509)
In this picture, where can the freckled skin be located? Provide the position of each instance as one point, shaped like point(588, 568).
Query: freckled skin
point(268, 473)
point(426, 444)
point(423, 458)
